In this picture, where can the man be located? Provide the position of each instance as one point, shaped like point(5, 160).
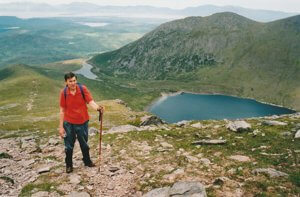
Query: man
point(74, 119)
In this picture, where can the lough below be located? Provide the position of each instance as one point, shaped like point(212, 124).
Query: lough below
point(86, 71)
point(187, 106)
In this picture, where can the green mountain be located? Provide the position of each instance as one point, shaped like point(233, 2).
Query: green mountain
point(223, 53)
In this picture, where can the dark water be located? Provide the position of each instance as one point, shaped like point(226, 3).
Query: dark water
point(188, 106)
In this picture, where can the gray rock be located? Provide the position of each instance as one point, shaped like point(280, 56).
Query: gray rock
point(149, 128)
point(205, 161)
point(121, 102)
point(192, 159)
point(274, 123)
point(65, 188)
point(53, 141)
point(286, 133)
point(78, 194)
point(179, 189)
point(238, 126)
point(256, 132)
point(89, 187)
point(54, 194)
point(166, 145)
point(220, 180)
point(151, 120)
point(187, 189)
point(182, 123)
point(240, 158)
point(159, 192)
point(93, 131)
point(40, 194)
point(113, 169)
point(27, 163)
point(28, 138)
point(197, 125)
point(43, 170)
point(123, 129)
point(212, 142)
point(111, 186)
point(269, 171)
point(174, 175)
point(297, 135)
point(75, 179)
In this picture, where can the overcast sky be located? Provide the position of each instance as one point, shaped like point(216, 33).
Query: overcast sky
point(282, 5)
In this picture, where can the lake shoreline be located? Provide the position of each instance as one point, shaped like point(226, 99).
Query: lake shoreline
point(165, 95)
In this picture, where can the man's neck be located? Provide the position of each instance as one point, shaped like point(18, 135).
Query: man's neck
point(73, 91)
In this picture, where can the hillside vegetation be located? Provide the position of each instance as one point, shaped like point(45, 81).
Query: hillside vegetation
point(223, 53)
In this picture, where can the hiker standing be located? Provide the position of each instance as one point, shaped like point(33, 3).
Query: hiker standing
point(74, 119)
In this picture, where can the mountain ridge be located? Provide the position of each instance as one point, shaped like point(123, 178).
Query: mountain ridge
point(222, 49)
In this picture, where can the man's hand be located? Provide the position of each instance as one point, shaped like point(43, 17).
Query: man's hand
point(101, 108)
point(62, 132)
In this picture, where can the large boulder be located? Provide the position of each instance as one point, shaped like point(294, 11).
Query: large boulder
point(151, 120)
point(239, 126)
point(179, 189)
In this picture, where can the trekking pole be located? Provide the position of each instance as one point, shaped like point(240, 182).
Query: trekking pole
point(100, 137)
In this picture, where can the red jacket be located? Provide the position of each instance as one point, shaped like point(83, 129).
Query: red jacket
point(75, 109)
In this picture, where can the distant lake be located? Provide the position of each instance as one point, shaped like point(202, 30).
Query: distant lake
point(186, 106)
point(85, 70)
point(93, 24)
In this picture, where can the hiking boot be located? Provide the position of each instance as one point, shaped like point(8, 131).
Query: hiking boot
point(91, 164)
point(69, 169)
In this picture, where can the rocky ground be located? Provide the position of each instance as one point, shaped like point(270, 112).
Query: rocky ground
point(252, 157)
point(27, 164)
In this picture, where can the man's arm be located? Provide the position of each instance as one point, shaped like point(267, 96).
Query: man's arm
point(95, 106)
point(61, 120)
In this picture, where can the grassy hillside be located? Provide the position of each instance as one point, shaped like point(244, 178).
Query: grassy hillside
point(224, 53)
point(29, 102)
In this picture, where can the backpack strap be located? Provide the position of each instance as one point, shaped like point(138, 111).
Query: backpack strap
point(81, 90)
point(65, 92)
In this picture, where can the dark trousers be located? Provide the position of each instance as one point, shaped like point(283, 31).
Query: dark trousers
point(79, 131)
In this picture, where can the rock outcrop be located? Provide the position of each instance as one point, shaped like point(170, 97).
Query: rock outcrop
point(179, 189)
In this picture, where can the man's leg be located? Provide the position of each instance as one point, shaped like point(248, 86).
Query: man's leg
point(69, 145)
point(82, 136)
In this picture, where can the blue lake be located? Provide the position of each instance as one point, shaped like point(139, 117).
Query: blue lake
point(186, 106)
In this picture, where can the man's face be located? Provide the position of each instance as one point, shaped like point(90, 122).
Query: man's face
point(71, 83)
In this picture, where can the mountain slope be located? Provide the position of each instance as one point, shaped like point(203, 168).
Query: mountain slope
point(229, 52)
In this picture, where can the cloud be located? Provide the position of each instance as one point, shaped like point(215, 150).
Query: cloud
point(286, 5)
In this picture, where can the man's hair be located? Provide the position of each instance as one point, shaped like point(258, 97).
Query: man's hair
point(69, 76)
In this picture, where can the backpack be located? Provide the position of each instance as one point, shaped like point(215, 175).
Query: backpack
point(81, 90)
